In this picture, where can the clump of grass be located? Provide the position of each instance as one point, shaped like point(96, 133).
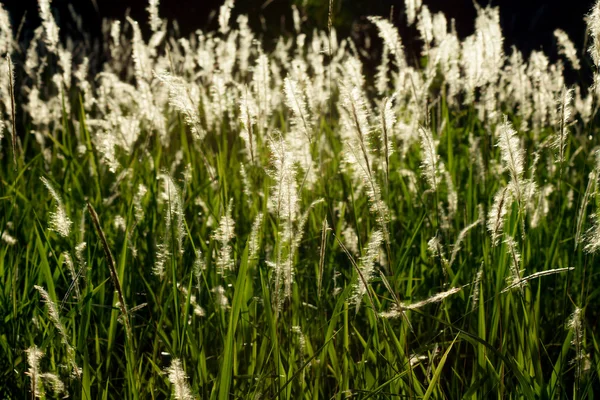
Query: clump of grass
point(276, 223)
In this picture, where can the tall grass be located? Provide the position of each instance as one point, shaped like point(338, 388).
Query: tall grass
point(201, 218)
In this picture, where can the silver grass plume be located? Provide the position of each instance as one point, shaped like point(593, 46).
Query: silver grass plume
point(261, 86)
point(581, 360)
point(593, 28)
point(64, 338)
point(398, 310)
point(184, 99)
point(153, 17)
point(174, 227)
point(496, 216)
point(59, 221)
point(412, 7)
point(49, 24)
point(248, 116)
point(178, 379)
point(224, 15)
point(514, 280)
point(391, 39)
point(388, 120)
point(366, 269)
point(6, 32)
point(34, 355)
point(523, 281)
point(567, 48)
point(254, 239)
point(295, 100)
point(11, 90)
point(354, 118)
point(224, 234)
point(430, 158)
point(513, 157)
point(564, 114)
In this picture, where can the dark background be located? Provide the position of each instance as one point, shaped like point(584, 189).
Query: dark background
point(528, 24)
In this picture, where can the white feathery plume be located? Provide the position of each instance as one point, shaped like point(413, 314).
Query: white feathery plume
point(254, 239)
point(49, 24)
point(581, 359)
point(224, 15)
point(523, 281)
point(183, 98)
point(430, 158)
point(34, 354)
point(59, 221)
point(513, 157)
point(398, 310)
point(140, 53)
point(6, 32)
point(55, 318)
point(564, 114)
point(593, 27)
point(366, 268)
point(261, 86)
point(514, 280)
point(224, 234)
point(412, 7)
point(178, 379)
point(391, 38)
point(502, 202)
point(595, 234)
point(425, 27)
point(567, 48)
point(248, 115)
point(388, 121)
point(354, 119)
point(115, 43)
point(174, 227)
point(153, 17)
point(220, 298)
point(295, 100)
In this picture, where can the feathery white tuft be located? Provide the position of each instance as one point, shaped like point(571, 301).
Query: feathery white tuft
point(178, 379)
point(59, 221)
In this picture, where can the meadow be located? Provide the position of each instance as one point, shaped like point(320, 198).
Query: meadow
point(228, 216)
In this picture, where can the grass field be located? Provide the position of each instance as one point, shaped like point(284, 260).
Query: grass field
point(205, 218)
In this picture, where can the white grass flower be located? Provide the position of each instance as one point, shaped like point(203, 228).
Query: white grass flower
point(224, 15)
point(593, 28)
point(49, 24)
point(220, 299)
point(496, 216)
point(6, 32)
point(153, 17)
point(412, 7)
point(430, 158)
point(184, 99)
point(366, 268)
point(224, 234)
point(178, 379)
point(391, 38)
point(564, 114)
point(248, 117)
point(296, 102)
point(567, 49)
point(398, 310)
point(34, 356)
point(254, 239)
point(55, 319)
point(514, 280)
point(59, 221)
